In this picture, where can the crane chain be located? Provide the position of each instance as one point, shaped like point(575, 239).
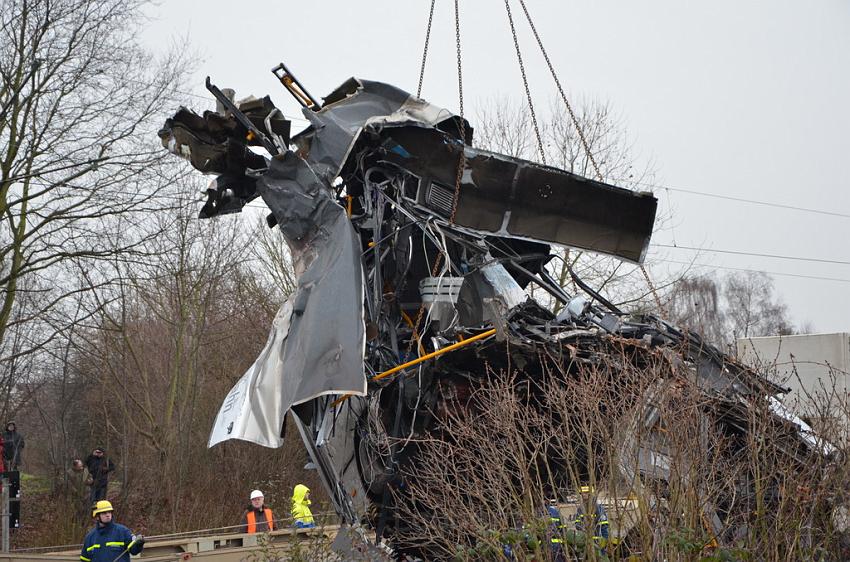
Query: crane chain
point(458, 177)
point(525, 84)
point(654, 291)
point(561, 92)
point(425, 49)
point(461, 125)
point(580, 132)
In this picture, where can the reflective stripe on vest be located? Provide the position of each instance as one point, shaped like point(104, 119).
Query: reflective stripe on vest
point(252, 520)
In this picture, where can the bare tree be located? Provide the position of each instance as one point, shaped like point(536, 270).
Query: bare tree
point(505, 126)
point(726, 308)
point(144, 373)
point(148, 348)
point(79, 163)
point(697, 303)
point(273, 260)
point(753, 308)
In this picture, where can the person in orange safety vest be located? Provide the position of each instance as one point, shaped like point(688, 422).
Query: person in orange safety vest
point(258, 518)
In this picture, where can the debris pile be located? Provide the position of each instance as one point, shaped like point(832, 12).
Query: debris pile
point(413, 251)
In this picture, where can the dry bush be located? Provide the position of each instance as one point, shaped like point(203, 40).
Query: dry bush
point(730, 482)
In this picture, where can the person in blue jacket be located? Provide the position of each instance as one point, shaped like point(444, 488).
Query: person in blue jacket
point(591, 517)
point(109, 541)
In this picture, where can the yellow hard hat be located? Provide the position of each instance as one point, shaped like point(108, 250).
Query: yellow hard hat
point(101, 507)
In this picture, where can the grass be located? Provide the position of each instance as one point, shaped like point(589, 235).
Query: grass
point(35, 484)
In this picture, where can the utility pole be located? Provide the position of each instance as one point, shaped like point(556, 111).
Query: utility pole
point(4, 481)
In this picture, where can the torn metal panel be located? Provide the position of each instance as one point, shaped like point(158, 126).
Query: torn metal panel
point(316, 345)
point(219, 144)
point(505, 196)
point(327, 436)
point(325, 349)
point(254, 409)
point(499, 194)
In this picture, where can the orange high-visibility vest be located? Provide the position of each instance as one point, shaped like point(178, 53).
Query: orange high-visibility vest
point(252, 520)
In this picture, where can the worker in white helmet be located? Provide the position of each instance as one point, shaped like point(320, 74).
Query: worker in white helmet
point(257, 518)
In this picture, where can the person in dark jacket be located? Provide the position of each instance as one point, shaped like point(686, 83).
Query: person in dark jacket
point(99, 466)
point(258, 518)
point(109, 541)
point(13, 446)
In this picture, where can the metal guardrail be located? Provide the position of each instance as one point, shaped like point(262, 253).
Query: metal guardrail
point(235, 547)
point(228, 547)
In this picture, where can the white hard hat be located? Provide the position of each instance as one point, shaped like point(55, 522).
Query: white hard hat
point(256, 494)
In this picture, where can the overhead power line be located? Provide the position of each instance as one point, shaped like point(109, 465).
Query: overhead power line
point(746, 200)
point(778, 273)
point(755, 254)
point(259, 204)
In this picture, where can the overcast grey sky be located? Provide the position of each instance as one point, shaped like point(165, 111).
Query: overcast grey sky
point(738, 99)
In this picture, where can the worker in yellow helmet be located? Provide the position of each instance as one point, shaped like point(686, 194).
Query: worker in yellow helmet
point(301, 507)
point(109, 541)
point(591, 517)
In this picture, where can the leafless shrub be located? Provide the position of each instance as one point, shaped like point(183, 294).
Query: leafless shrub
point(686, 474)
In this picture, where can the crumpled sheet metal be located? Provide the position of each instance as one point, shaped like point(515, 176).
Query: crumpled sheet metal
point(316, 347)
point(253, 410)
point(352, 107)
point(318, 337)
point(207, 142)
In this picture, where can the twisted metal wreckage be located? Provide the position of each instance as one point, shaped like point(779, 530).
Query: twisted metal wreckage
point(399, 255)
